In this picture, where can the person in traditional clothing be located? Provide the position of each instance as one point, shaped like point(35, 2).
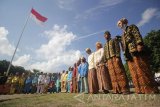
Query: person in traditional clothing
point(28, 84)
point(40, 87)
point(115, 67)
point(4, 88)
point(34, 83)
point(51, 85)
point(103, 76)
point(78, 76)
point(83, 71)
point(65, 82)
point(9, 82)
point(9, 79)
point(69, 80)
point(62, 81)
point(22, 79)
point(134, 52)
point(74, 78)
point(15, 84)
point(46, 82)
point(58, 83)
point(92, 74)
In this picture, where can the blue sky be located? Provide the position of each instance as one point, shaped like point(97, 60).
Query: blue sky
point(58, 44)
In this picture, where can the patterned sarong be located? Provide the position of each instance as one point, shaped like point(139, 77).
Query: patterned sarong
point(92, 81)
point(143, 79)
point(118, 76)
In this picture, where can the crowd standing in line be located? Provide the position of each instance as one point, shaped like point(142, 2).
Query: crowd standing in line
point(102, 72)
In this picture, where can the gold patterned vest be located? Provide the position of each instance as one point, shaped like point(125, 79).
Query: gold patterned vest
point(111, 49)
point(131, 38)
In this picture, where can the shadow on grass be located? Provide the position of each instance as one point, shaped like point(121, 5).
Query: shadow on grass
point(3, 100)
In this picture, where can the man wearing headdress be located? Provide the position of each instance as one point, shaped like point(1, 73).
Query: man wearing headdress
point(136, 58)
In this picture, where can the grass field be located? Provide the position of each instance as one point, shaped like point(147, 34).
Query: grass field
point(80, 100)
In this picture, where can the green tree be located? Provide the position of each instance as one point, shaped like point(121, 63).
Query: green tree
point(18, 69)
point(35, 71)
point(4, 66)
point(152, 41)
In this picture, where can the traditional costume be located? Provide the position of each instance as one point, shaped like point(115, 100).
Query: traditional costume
point(132, 41)
point(103, 76)
point(92, 74)
point(115, 66)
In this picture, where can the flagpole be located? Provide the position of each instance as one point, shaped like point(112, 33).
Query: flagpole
point(17, 45)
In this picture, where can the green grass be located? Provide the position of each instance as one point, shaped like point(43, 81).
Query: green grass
point(80, 100)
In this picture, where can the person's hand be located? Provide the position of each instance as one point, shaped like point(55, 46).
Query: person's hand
point(106, 64)
point(97, 63)
point(117, 59)
point(139, 48)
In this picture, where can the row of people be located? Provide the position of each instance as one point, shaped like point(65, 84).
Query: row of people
point(105, 71)
point(31, 83)
point(106, 68)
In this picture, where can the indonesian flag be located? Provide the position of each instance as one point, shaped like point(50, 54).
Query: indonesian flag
point(38, 17)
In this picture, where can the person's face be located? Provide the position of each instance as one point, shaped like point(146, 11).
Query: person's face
point(120, 24)
point(88, 52)
point(98, 46)
point(79, 62)
point(106, 36)
point(82, 60)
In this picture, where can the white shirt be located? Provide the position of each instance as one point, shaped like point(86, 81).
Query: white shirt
point(98, 55)
point(41, 79)
point(91, 61)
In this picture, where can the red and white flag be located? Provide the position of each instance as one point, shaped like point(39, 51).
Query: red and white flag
point(38, 17)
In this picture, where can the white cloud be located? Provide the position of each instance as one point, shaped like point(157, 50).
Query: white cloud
point(5, 47)
point(22, 60)
point(101, 5)
point(147, 15)
point(65, 4)
point(55, 54)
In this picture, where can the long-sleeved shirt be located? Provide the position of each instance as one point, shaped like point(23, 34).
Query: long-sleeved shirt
point(131, 38)
point(15, 79)
point(41, 79)
point(62, 76)
point(35, 80)
point(58, 82)
point(65, 77)
point(46, 79)
point(69, 78)
point(98, 55)
point(111, 49)
point(83, 69)
point(28, 80)
point(74, 73)
point(91, 63)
